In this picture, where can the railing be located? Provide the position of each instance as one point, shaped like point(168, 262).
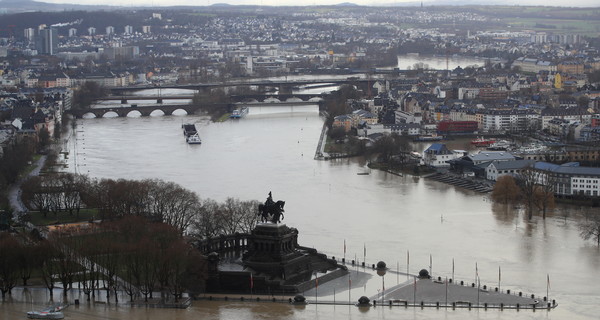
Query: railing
point(223, 243)
point(276, 297)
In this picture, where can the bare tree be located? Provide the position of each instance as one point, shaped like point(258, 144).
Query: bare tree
point(590, 228)
point(66, 260)
point(49, 269)
point(527, 180)
point(9, 253)
point(71, 184)
point(35, 195)
point(206, 221)
point(248, 215)
point(172, 204)
point(505, 190)
point(28, 260)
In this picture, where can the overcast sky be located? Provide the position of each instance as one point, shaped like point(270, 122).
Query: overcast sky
point(157, 3)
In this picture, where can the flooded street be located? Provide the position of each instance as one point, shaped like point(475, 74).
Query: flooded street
point(272, 149)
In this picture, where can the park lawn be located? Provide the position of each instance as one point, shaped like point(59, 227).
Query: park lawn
point(332, 147)
point(38, 219)
point(31, 166)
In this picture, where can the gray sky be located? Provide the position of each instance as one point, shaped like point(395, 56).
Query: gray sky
point(150, 3)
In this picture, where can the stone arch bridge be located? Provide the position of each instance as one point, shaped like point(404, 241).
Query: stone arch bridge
point(145, 111)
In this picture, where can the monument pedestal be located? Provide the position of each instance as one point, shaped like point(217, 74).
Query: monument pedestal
point(273, 250)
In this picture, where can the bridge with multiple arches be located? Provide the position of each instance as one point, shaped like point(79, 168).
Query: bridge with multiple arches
point(169, 109)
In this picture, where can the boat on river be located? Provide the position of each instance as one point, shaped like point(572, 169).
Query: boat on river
point(54, 312)
point(193, 139)
point(239, 113)
point(501, 145)
point(482, 142)
point(428, 138)
point(189, 129)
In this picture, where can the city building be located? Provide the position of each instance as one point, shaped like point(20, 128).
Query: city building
point(438, 155)
point(496, 169)
point(47, 41)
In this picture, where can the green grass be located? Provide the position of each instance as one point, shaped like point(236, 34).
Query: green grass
point(332, 147)
point(38, 218)
point(223, 118)
point(31, 166)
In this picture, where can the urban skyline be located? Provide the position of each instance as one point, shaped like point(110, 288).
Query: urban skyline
point(165, 3)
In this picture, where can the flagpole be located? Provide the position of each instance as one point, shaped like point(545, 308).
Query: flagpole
point(500, 278)
point(548, 288)
point(344, 250)
point(365, 253)
point(478, 284)
point(349, 290)
point(407, 263)
point(415, 291)
point(453, 270)
point(430, 265)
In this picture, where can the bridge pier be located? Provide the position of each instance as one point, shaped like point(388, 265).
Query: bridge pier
point(285, 89)
point(123, 101)
point(159, 100)
point(122, 113)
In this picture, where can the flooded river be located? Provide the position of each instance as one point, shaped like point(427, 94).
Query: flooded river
point(328, 202)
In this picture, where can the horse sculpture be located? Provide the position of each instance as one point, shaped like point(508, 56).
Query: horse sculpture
point(272, 212)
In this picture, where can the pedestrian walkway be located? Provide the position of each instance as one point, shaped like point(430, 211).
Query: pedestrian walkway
point(14, 191)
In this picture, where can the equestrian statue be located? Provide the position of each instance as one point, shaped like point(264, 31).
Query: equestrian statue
point(271, 210)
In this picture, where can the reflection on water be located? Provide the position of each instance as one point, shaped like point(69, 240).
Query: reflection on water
point(328, 202)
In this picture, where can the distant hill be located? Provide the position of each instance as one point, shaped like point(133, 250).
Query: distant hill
point(13, 6)
point(347, 4)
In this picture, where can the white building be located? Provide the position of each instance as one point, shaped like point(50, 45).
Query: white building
point(509, 120)
point(29, 34)
point(589, 185)
point(496, 169)
point(407, 117)
point(128, 30)
point(438, 155)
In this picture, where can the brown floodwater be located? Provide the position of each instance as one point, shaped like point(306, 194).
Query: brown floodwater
point(328, 203)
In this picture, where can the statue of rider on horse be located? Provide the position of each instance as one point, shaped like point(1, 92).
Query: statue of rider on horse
point(271, 210)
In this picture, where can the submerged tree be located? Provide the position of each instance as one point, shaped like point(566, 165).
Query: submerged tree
point(527, 180)
point(590, 228)
point(505, 190)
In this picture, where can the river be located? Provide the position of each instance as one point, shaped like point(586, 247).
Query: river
point(272, 150)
